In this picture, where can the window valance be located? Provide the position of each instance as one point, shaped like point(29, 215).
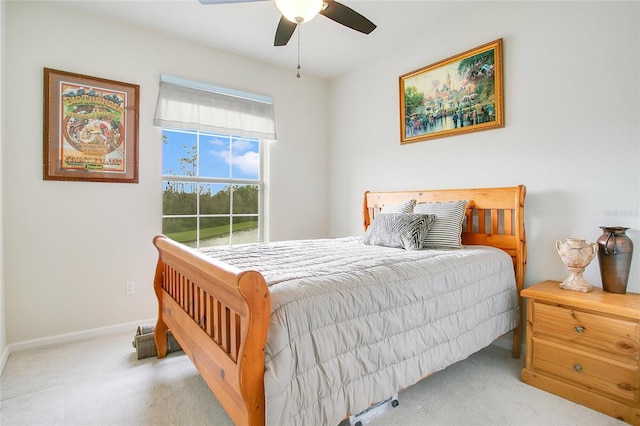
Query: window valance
point(185, 104)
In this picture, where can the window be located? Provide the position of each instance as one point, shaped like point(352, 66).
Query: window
point(213, 146)
point(211, 188)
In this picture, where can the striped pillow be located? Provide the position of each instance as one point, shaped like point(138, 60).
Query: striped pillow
point(405, 207)
point(446, 231)
point(399, 230)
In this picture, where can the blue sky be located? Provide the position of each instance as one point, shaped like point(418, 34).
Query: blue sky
point(220, 156)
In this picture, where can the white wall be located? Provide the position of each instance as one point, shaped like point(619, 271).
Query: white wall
point(572, 136)
point(572, 74)
point(3, 331)
point(71, 246)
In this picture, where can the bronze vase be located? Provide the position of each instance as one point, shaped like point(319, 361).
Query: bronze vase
point(615, 249)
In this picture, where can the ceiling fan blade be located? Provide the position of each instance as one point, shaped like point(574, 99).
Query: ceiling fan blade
point(285, 30)
point(226, 1)
point(348, 17)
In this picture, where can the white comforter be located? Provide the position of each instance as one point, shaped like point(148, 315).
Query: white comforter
point(353, 324)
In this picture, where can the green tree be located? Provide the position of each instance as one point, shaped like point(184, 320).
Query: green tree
point(412, 100)
point(478, 69)
point(471, 67)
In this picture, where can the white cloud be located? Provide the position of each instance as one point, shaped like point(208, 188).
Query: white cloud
point(243, 145)
point(249, 162)
point(244, 157)
point(216, 142)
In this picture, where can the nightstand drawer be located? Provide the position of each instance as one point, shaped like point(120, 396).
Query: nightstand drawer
point(594, 372)
point(595, 331)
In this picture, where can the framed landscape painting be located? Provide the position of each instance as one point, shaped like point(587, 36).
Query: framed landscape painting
point(90, 128)
point(461, 94)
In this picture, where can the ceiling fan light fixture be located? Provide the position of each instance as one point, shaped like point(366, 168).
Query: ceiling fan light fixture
point(299, 11)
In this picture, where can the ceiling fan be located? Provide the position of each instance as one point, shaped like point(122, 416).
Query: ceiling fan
point(295, 12)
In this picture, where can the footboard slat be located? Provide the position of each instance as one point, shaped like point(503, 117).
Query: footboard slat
point(226, 330)
point(181, 290)
point(234, 336)
point(199, 313)
point(189, 302)
point(202, 310)
point(220, 316)
point(208, 308)
point(217, 328)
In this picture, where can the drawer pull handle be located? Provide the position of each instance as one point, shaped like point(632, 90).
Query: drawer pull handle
point(579, 329)
point(577, 367)
point(627, 387)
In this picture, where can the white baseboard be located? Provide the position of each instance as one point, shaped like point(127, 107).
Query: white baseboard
point(506, 342)
point(3, 360)
point(72, 337)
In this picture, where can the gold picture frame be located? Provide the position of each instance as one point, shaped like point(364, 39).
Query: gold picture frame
point(90, 128)
point(460, 94)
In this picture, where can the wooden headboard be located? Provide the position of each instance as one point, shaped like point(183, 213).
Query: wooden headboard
point(494, 217)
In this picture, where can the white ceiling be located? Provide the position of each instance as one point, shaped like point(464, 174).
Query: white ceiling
point(327, 49)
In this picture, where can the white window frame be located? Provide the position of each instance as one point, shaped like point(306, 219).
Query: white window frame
point(260, 183)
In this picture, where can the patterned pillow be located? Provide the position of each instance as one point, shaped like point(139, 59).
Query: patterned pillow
point(399, 230)
point(446, 231)
point(404, 207)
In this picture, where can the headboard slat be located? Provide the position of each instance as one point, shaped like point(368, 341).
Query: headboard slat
point(495, 226)
point(482, 221)
point(508, 222)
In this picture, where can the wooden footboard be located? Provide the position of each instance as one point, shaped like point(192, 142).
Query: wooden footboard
point(220, 317)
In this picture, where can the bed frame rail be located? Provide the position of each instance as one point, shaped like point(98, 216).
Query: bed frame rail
point(224, 331)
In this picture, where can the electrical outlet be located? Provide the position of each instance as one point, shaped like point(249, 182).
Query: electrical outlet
point(129, 287)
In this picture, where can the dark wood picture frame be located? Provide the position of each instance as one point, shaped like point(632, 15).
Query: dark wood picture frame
point(90, 128)
point(460, 94)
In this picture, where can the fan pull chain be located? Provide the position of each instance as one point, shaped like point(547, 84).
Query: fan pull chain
point(298, 25)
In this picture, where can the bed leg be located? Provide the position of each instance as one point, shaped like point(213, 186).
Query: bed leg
point(517, 341)
point(161, 338)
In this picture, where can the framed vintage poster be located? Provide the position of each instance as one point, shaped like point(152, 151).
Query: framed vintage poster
point(90, 128)
point(461, 94)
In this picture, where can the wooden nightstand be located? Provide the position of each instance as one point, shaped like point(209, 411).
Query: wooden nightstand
point(585, 347)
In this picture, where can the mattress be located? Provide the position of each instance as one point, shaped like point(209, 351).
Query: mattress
point(352, 324)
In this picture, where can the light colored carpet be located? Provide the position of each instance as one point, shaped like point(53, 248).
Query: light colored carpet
point(100, 382)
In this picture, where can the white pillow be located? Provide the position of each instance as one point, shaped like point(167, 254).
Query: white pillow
point(404, 207)
point(446, 231)
point(398, 230)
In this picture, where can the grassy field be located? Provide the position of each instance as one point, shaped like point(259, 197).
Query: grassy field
point(190, 236)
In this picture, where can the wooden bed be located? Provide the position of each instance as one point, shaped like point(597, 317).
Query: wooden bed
point(220, 314)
